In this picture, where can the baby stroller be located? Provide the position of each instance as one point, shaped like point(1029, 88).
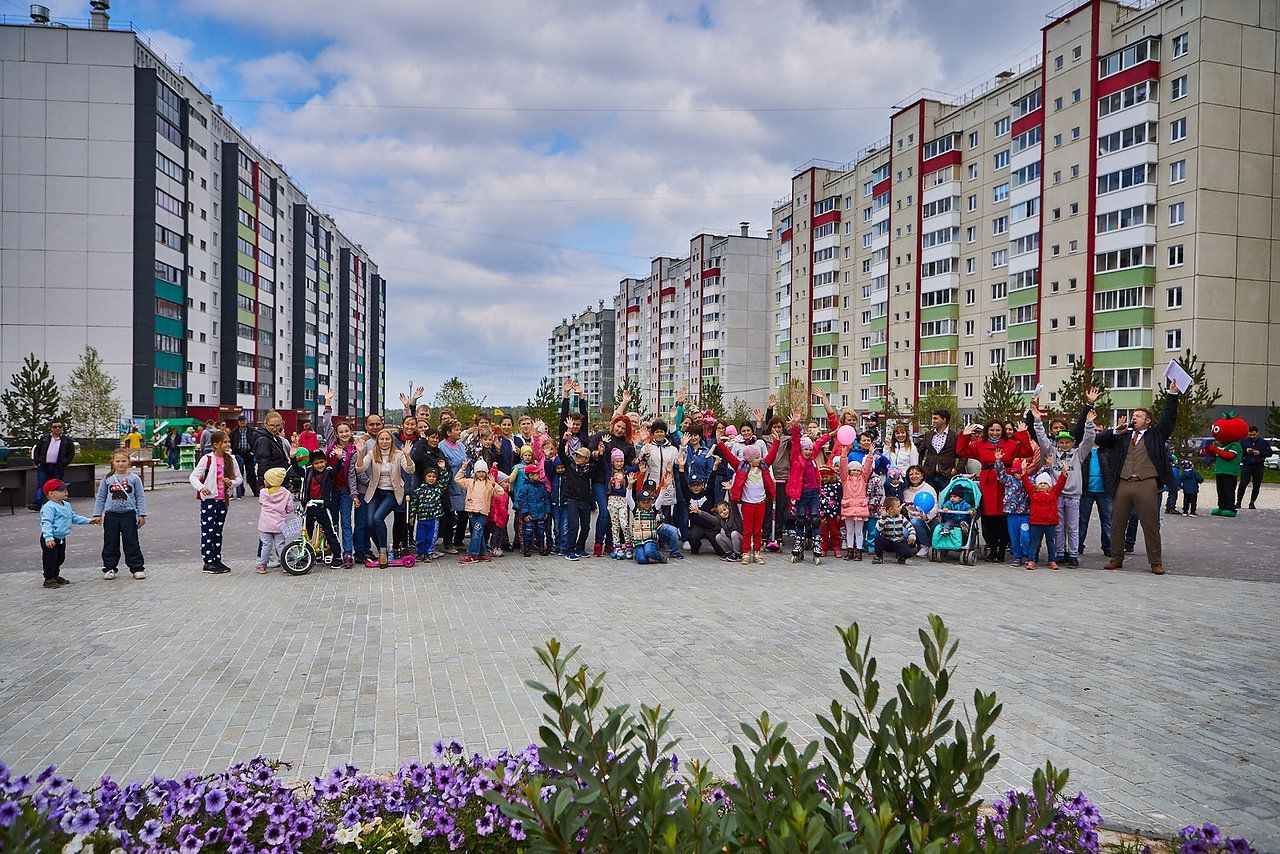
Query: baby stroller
point(956, 542)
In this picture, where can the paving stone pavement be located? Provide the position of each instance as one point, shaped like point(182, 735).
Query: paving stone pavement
point(1158, 693)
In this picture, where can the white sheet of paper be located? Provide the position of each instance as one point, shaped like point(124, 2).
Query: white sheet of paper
point(1176, 373)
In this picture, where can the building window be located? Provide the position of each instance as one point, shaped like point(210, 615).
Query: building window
point(1075, 53)
point(1177, 213)
point(1178, 129)
point(1173, 297)
point(1177, 171)
point(1173, 340)
point(968, 328)
point(1178, 89)
point(1000, 225)
point(970, 296)
point(1000, 192)
point(973, 202)
point(1057, 62)
point(1000, 160)
point(1057, 104)
point(971, 234)
point(1181, 44)
point(1075, 133)
point(1002, 126)
point(970, 266)
point(1175, 255)
point(1075, 170)
point(973, 171)
point(973, 139)
point(1057, 140)
point(1075, 96)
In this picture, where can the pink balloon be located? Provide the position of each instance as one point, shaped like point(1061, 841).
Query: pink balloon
point(846, 435)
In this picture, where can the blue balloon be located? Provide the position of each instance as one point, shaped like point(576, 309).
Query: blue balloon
point(923, 501)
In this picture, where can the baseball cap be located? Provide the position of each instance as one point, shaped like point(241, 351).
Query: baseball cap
point(53, 484)
point(697, 477)
point(1063, 434)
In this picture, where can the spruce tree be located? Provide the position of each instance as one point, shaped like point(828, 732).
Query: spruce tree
point(1195, 407)
point(1273, 420)
point(32, 401)
point(1071, 395)
point(91, 402)
point(636, 404)
point(545, 404)
point(712, 397)
point(1001, 401)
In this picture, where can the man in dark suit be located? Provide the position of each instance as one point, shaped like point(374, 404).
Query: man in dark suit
point(52, 454)
point(938, 451)
point(1144, 468)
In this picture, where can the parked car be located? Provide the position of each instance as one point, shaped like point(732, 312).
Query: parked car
point(1273, 461)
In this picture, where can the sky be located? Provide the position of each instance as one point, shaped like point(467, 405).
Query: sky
point(506, 162)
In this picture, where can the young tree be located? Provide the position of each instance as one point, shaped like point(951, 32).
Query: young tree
point(91, 401)
point(457, 395)
point(1273, 419)
point(1001, 401)
point(739, 411)
point(545, 403)
point(890, 411)
point(712, 397)
point(32, 401)
point(1071, 395)
point(938, 397)
point(1195, 409)
point(793, 397)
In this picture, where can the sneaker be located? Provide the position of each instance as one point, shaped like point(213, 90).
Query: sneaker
point(524, 552)
point(348, 561)
point(545, 551)
point(421, 557)
point(496, 553)
point(451, 551)
point(877, 559)
point(677, 556)
point(211, 569)
point(140, 574)
point(51, 584)
point(598, 550)
point(758, 558)
point(686, 546)
point(1017, 561)
point(486, 558)
point(1128, 550)
point(224, 567)
point(727, 557)
point(109, 574)
point(1072, 562)
point(570, 555)
point(1251, 507)
point(1053, 564)
point(901, 559)
point(746, 558)
point(274, 563)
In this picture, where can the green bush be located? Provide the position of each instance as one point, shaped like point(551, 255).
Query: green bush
point(900, 775)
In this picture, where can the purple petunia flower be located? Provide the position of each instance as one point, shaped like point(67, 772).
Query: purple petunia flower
point(190, 845)
point(455, 748)
point(456, 839)
point(516, 830)
point(1211, 833)
point(215, 800)
point(9, 812)
point(263, 776)
point(84, 821)
point(438, 747)
point(274, 834)
point(150, 832)
point(486, 822)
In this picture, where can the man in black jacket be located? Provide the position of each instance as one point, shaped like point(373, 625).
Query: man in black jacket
point(242, 447)
point(1143, 470)
point(1256, 451)
point(271, 450)
point(52, 454)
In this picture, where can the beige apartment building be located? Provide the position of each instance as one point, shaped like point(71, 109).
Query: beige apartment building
point(1114, 200)
point(696, 320)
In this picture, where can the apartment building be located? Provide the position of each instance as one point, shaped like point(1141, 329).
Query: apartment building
point(582, 348)
point(138, 220)
point(1112, 200)
point(696, 320)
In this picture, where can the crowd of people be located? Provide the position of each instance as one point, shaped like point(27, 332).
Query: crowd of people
point(778, 482)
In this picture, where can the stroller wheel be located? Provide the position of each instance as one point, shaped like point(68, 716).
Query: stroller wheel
point(968, 558)
point(933, 555)
point(297, 558)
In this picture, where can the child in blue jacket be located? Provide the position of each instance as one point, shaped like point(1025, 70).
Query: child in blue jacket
point(56, 519)
point(1190, 480)
point(534, 500)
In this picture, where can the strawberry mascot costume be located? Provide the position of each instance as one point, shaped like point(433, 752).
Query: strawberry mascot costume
point(1228, 431)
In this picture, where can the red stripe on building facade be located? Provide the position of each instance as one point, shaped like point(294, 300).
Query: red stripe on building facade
point(1035, 117)
point(710, 271)
point(884, 186)
point(823, 219)
point(942, 161)
point(1149, 70)
point(953, 157)
point(1095, 23)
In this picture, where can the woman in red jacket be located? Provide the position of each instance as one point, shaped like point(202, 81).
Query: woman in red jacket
point(983, 449)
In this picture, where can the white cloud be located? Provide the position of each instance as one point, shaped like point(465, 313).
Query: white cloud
point(478, 275)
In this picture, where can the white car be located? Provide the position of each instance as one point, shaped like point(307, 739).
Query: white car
point(1273, 461)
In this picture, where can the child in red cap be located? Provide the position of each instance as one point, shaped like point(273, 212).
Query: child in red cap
point(56, 519)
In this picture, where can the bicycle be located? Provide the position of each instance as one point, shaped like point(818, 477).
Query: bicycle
point(304, 545)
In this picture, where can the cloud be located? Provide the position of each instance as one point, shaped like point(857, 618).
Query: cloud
point(506, 163)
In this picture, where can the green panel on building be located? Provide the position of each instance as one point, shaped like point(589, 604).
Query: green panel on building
point(246, 205)
point(1125, 318)
point(825, 362)
point(1134, 358)
point(245, 317)
point(1124, 279)
point(878, 350)
point(246, 289)
point(169, 326)
point(940, 342)
point(710, 363)
point(170, 291)
point(938, 372)
point(1022, 331)
point(876, 377)
point(169, 362)
point(939, 312)
point(169, 397)
point(826, 338)
point(879, 323)
point(1129, 399)
point(1025, 365)
point(247, 233)
point(1026, 296)
point(324, 287)
point(244, 260)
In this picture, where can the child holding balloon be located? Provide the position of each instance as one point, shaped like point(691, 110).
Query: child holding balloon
point(854, 508)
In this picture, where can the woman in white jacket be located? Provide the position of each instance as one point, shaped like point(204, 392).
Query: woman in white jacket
point(215, 479)
point(899, 450)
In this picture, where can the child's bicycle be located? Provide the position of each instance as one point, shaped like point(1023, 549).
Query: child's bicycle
point(303, 547)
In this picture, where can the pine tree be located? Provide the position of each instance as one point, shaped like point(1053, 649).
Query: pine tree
point(545, 403)
point(457, 395)
point(1071, 395)
point(91, 401)
point(32, 402)
point(1001, 401)
point(939, 396)
point(712, 397)
point(1195, 408)
point(1273, 419)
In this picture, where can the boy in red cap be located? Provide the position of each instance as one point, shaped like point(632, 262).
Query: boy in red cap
point(56, 519)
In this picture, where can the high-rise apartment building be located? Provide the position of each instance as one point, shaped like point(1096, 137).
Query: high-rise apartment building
point(1112, 201)
point(138, 220)
point(697, 320)
point(582, 348)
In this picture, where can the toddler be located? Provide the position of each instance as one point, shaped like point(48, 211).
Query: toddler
point(1015, 508)
point(56, 519)
point(534, 502)
point(1190, 480)
point(479, 489)
point(894, 532)
point(214, 479)
point(854, 507)
point(955, 513)
point(752, 491)
point(121, 509)
point(644, 529)
point(496, 526)
point(275, 503)
point(1042, 495)
point(804, 489)
point(729, 537)
point(619, 513)
point(830, 504)
point(426, 505)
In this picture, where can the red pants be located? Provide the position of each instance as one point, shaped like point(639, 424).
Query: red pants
point(831, 530)
point(752, 527)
